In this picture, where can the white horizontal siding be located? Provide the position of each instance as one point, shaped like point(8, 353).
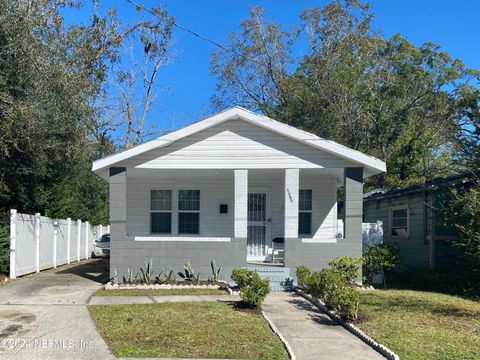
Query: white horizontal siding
point(213, 192)
point(324, 207)
point(236, 144)
point(219, 188)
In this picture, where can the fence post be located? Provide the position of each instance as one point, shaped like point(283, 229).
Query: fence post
point(79, 238)
point(100, 231)
point(87, 230)
point(37, 242)
point(13, 238)
point(69, 234)
point(55, 239)
point(108, 229)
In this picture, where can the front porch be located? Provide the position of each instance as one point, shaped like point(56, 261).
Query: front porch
point(265, 207)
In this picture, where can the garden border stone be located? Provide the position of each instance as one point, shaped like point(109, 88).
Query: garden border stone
point(382, 349)
point(287, 346)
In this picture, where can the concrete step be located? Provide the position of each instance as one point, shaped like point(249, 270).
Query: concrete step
point(279, 277)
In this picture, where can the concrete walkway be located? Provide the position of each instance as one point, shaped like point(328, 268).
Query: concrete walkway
point(44, 316)
point(311, 333)
point(112, 300)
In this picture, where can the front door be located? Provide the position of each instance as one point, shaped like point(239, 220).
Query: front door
point(257, 235)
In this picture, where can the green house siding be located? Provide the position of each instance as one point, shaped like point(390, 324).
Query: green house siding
point(414, 249)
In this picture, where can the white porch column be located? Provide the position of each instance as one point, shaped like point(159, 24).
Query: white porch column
point(241, 203)
point(292, 177)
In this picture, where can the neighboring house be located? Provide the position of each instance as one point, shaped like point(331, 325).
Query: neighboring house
point(225, 187)
point(413, 218)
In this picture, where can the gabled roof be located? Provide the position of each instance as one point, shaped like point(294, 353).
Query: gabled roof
point(429, 185)
point(374, 165)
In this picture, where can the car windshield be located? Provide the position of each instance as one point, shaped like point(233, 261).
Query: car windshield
point(104, 238)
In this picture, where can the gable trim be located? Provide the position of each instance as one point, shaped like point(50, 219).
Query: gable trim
point(376, 166)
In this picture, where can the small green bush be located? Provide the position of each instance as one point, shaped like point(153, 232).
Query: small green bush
point(4, 249)
point(303, 276)
point(345, 300)
point(334, 285)
point(323, 283)
point(378, 260)
point(347, 267)
point(253, 288)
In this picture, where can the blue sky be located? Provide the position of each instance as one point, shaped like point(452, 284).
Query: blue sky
point(452, 24)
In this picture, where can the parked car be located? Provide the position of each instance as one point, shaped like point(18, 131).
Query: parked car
point(102, 246)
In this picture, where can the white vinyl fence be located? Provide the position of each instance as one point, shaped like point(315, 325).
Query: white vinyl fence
point(38, 242)
point(372, 233)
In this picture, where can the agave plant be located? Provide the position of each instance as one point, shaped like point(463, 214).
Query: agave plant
point(189, 273)
point(215, 270)
point(130, 278)
point(165, 277)
point(147, 273)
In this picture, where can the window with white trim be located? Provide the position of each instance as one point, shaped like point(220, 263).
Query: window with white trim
point(305, 212)
point(188, 211)
point(400, 221)
point(161, 211)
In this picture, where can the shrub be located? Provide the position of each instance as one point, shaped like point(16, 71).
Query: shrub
point(347, 267)
point(345, 300)
point(253, 288)
point(4, 249)
point(455, 280)
point(303, 276)
point(380, 259)
point(334, 285)
point(323, 283)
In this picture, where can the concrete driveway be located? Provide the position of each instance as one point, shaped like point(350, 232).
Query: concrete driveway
point(44, 316)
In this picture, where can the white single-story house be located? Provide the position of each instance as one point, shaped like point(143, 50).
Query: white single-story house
point(234, 188)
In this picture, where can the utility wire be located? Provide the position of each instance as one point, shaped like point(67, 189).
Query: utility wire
point(140, 6)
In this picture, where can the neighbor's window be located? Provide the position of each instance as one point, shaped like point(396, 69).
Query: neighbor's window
point(399, 221)
point(188, 211)
point(305, 212)
point(161, 211)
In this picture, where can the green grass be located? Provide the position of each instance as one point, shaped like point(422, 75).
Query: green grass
point(187, 329)
point(423, 325)
point(160, 292)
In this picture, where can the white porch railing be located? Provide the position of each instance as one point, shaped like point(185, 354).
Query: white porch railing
point(38, 242)
point(372, 233)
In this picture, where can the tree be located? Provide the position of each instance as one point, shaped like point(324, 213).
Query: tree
point(386, 97)
point(253, 73)
point(463, 213)
point(55, 99)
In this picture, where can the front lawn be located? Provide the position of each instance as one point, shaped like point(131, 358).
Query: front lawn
point(186, 330)
point(160, 292)
point(423, 325)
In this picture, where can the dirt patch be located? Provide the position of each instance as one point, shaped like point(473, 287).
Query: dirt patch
point(241, 306)
point(361, 317)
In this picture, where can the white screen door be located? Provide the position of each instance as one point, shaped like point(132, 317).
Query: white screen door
point(257, 243)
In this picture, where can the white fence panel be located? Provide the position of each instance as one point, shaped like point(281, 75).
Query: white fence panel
point(82, 241)
point(372, 233)
point(62, 243)
point(46, 242)
point(38, 242)
point(24, 261)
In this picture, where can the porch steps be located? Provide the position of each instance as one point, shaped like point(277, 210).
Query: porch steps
point(279, 277)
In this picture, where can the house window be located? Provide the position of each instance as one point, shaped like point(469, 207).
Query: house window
point(400, 221)
point(161, 211)
point(305, 212)
point(188, 211)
